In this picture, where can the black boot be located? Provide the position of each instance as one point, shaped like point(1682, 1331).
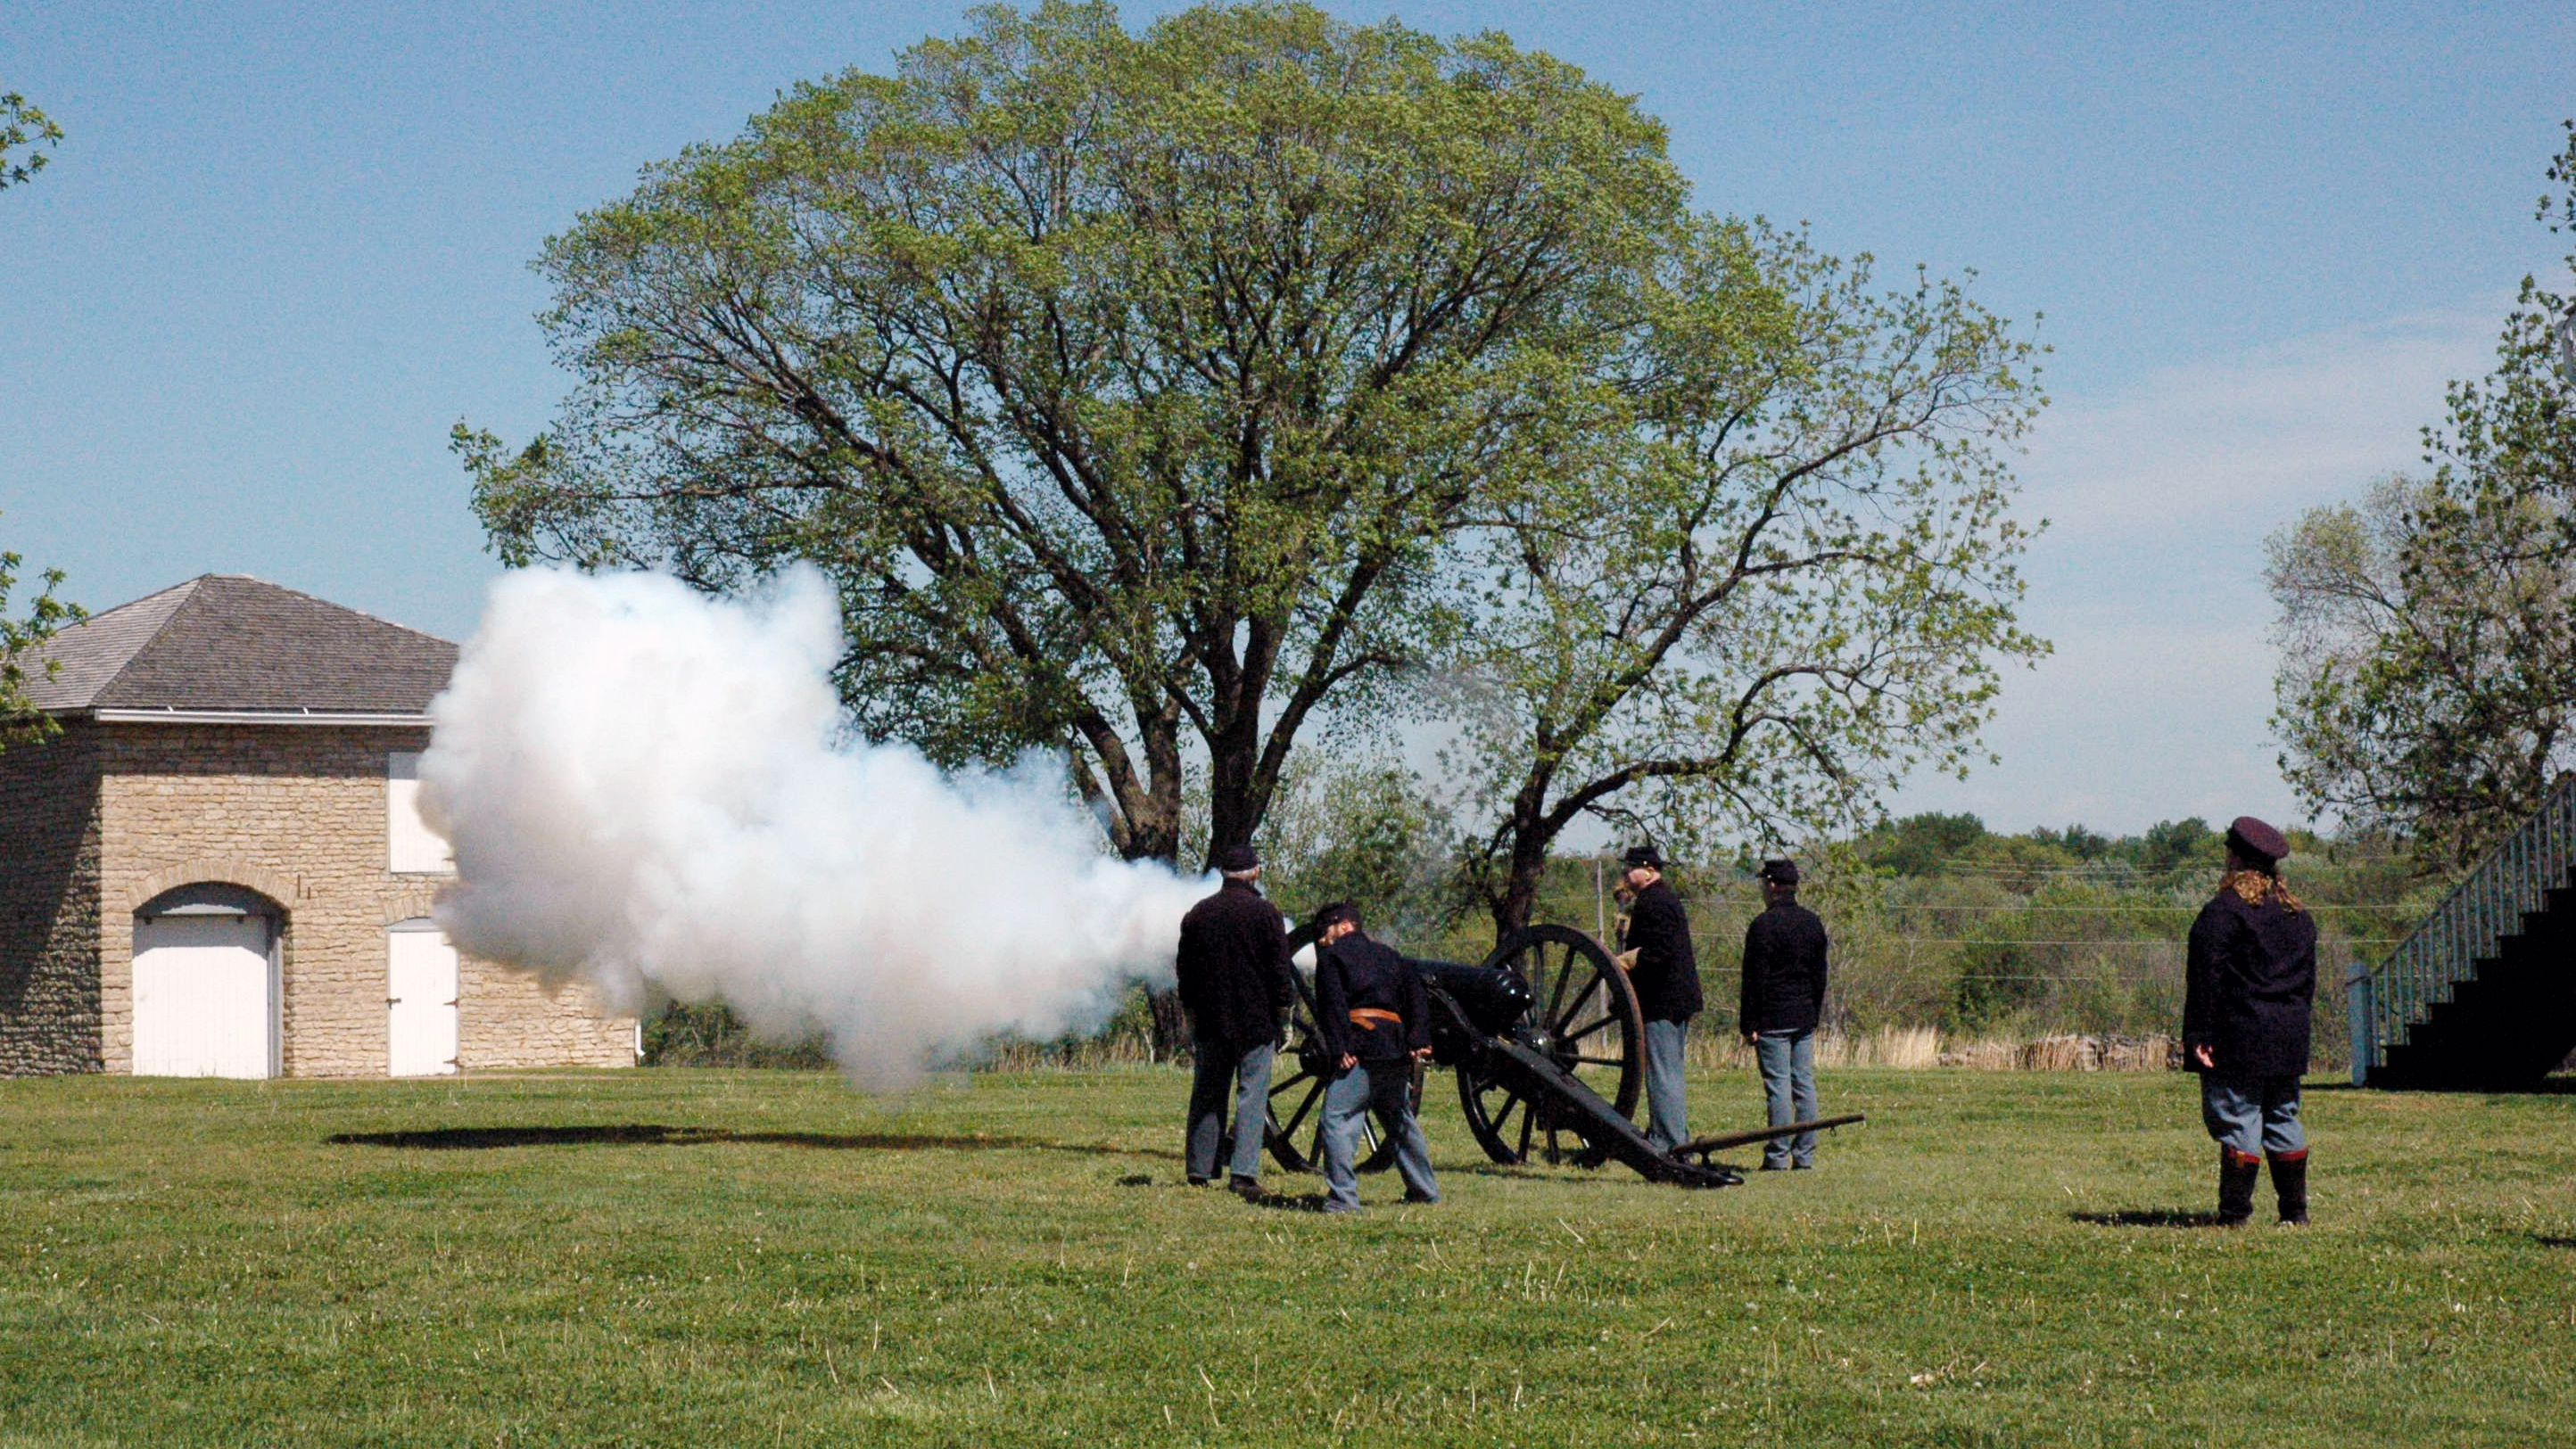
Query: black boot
point(2236, 1174)
point(2290, 1181)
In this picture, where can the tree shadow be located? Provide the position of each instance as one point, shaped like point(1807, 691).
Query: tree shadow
point(2148, 1218)
point(655, 1134)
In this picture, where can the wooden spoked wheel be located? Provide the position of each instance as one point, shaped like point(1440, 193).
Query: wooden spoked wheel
point(1297, 1082)
point(1583, 1013)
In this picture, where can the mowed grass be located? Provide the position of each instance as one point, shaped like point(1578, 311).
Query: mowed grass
point(753, 1258)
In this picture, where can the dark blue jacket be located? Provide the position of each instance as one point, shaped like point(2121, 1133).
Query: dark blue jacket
point(1232, 968)
point(1784, 970)
point(1666, 975)
point(2248, 979)
point(1355, 973)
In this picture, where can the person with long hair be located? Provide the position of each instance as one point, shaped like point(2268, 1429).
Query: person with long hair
point(2250, 977)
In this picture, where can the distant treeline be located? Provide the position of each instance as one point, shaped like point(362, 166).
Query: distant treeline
point(1936, 921)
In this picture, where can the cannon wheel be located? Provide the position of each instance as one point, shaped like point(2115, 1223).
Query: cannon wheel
point(1295, 1134)
point(1584, 1013)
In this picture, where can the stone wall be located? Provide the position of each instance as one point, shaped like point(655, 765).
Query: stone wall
point(507, 1019)
point(49, 873)
point(297, 813)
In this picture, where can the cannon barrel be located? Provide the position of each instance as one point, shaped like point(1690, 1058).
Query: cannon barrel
point(1470, 1004)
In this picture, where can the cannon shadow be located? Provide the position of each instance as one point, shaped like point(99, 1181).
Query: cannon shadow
point(2148, 1218)
point(656, 1134)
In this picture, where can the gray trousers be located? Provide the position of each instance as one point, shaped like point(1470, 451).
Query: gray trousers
point(2253, 1114)
point(1386, 1089)
point(1667, 1116)
point(1222, 1076)
point(1788, 1062)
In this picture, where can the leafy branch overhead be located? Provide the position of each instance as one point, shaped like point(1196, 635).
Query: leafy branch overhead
point(23, 126)
point(20, 640)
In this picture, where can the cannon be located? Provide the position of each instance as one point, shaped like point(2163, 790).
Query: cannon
point(1548, 1047)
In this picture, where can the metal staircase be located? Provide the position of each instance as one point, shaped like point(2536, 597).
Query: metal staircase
point(2483, 995)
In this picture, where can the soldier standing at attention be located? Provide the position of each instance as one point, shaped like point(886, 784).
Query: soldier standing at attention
point(1232, 975)
point(2249, 976)
point(1666, 976)
point(1370, 1010)
point(1783, 999)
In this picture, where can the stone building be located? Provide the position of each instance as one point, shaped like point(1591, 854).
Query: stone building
point(216, 868)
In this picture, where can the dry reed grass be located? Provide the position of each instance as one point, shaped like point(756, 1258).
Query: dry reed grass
point(1910, 1047)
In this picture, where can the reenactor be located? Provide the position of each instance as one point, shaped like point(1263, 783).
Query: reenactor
point(1666, 977)
point(2249, 978)
point(1782, 1001)
point(1375, 1023)
point(1232, 974)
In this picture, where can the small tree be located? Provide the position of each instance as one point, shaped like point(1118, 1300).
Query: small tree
point(1775, 576)
point(2428, 662)
point(2427, 635)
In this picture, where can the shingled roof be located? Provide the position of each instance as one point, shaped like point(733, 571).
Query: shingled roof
point(235, 643)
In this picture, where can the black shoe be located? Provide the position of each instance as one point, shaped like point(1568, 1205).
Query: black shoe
point(1420, 1197)
point(1197, 1181)
point(1802, 1167)
point(2290, 1184)
point(2236, 1174)
point(1774, 1167)
point(1247, 1188)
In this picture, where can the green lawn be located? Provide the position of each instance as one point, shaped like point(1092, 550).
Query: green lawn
point(744, 1258)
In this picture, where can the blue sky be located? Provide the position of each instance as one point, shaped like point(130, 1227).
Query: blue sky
point(284, 248)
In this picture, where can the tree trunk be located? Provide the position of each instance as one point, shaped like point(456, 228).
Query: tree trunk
point(1518, 899)
point(1154, 832)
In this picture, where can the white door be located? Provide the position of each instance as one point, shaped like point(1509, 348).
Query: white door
point(205, 1002)
point(420, 1033)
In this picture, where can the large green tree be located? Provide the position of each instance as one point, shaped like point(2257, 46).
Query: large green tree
point(1128, 385)
point(2428, 678)
point(1777, 575)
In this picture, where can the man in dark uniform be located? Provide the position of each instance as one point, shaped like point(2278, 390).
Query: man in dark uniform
point(1370, 1011)
point(1666, 976)
point(1783, 999)
point(2249, 977)
point(1232, 973)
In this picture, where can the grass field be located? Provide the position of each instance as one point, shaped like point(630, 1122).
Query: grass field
point(712, 1258)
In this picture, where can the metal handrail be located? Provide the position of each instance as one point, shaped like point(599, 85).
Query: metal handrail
point(2468, 926)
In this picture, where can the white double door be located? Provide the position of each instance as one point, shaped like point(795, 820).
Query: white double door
point(421, 987)
point(205, 997)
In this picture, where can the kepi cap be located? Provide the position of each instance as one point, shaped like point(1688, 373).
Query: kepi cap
point(1782, 871)
point(2251, 837)
point(1643, 855)
point(1236, 859)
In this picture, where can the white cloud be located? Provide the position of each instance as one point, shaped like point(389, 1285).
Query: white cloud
point(2157, 702)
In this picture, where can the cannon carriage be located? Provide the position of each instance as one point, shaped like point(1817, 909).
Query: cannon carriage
point(1549, 1051)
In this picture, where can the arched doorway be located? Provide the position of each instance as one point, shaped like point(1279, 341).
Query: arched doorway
point(421, 994)
point(205, 983)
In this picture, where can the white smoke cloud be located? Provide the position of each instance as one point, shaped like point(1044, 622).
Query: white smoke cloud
point(647, 788)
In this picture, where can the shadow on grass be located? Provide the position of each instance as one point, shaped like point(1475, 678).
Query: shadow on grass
point(2546, 1241)
point(2149, 1218)
point(654, 1134)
